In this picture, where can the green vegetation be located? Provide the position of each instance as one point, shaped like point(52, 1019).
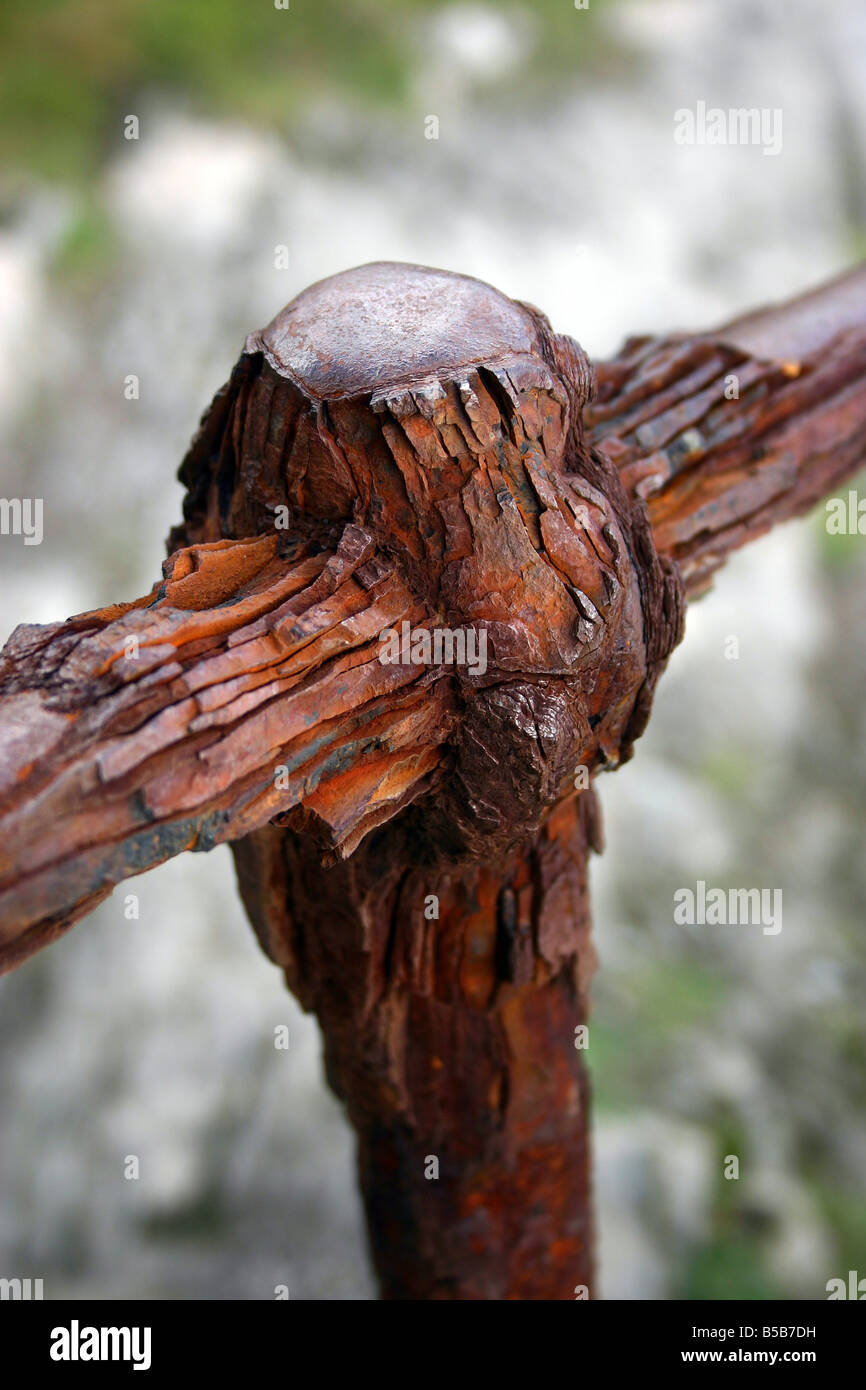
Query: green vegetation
point(88, 246)
point(730, 1268)
point(838, 552)
point(729, 772)
point(673, 998)
point(845, 1214)
point(71, 69)
point(732, 1265)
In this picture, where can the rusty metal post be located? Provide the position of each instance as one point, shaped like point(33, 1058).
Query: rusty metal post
point(430, 570)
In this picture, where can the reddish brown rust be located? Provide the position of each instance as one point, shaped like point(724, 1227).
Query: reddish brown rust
point(406, 445)
point(724, 435)
point(451, 1039)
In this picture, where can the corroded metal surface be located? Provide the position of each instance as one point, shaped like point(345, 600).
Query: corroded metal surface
point(726, 434)
point(405, 445)
point(383, 324)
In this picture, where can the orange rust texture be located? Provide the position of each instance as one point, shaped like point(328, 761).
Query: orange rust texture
point(450, 1038)
point(719, 469)
point(405, 444)
point(464, 499)
point(143, 732)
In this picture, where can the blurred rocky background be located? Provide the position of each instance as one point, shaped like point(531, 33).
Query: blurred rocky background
point(556, 177)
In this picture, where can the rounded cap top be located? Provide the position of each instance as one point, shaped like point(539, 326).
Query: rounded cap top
point(387, 323)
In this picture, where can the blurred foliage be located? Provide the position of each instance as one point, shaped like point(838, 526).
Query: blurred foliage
point(88, 246)
point(845, 1213)
point(71, 69)
point(733, 1264)
point(731, 1267)
point(728, 771)
point(670, 998)
point(838, 552)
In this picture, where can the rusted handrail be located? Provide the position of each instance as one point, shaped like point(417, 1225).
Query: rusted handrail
point(407, 457)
